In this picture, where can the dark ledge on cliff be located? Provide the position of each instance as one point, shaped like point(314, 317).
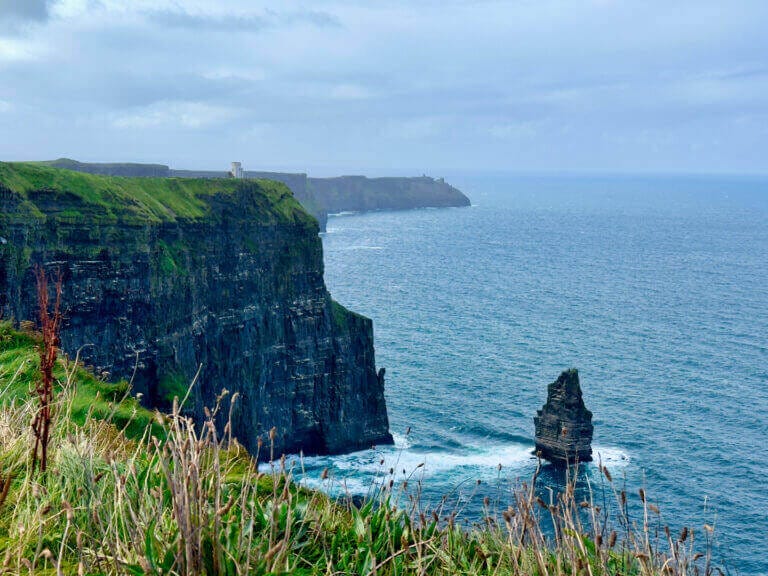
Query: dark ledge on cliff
point(166, 275)
point(564, 425)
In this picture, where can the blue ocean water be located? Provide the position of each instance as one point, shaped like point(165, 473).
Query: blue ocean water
point(655, 288)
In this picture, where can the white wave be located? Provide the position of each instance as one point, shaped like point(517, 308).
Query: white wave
point(337, 485)
point(360, 247)
point(401, 440)
point(610, 456)
point(488, 459)
point(342, 213)
point(357, 473)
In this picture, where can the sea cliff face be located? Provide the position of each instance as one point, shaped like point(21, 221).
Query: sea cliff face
point(323, 196)
point(165, 277)
point(360, 194)
point(319, 196)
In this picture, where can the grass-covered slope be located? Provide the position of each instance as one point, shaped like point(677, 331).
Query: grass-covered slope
point(143, 199)
point(131, 169)
point(121, 497)
point(88, 395)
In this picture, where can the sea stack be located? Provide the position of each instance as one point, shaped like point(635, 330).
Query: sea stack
point(564, 425)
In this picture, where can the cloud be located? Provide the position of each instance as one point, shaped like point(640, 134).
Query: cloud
point(173, 114)
point(226, 74)
point(350, 92)
point(354, 84)
point(5, 106)
point(247, 22)
point(515, 130)
point(24, 9)
point(19, 50)
point(715, 88)
point(415, 128)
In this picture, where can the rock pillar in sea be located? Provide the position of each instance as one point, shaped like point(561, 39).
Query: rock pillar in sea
point(564, 425)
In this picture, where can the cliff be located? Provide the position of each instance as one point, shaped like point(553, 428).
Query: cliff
point(564, 425)
point(128, 169)
point(320, 196)
point(323, 196)
point(359, 193)
point(165, 275)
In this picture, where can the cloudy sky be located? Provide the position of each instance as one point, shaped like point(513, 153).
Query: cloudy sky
point(382, 87)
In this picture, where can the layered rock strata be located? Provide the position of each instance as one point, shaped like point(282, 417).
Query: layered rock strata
point(564, 425)
point(165, 277)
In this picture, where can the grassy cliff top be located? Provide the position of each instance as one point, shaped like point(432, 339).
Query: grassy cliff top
point(47, 191)
point(106, 168)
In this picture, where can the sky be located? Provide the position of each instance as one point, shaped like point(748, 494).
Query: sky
point(389, 87)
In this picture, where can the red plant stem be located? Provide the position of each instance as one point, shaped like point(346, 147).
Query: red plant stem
point(50, 323)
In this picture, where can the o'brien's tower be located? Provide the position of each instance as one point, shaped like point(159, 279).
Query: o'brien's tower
point(237, 170)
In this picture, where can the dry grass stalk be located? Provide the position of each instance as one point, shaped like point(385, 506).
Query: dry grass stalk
point(50, 324)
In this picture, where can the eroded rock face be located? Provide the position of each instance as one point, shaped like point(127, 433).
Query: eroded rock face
point(234, 289)
point(564, 425)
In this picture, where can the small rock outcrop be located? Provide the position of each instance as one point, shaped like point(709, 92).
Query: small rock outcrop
point(564, 425)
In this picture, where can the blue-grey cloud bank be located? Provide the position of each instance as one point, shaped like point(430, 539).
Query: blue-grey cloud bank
point(389, 87)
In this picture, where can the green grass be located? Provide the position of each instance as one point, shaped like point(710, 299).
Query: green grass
point(170, 259)
point(90, 396)
point(121, 499)
point(106, 198)
point(342, 316)
point(172, 386)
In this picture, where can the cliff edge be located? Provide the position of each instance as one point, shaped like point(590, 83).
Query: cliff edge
point(319, 196)
point(166, 275)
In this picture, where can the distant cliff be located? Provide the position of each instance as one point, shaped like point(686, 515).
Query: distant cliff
point(115, 169)
point(359, 193)
point(323, 196)
point(320, 196)
point(168, 275)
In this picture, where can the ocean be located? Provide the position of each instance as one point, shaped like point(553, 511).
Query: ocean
point(655, 288)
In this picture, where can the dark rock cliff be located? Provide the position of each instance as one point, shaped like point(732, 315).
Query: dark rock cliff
point(168, 275)
point(564, 425)
point(360, 194)
point(320, 196)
